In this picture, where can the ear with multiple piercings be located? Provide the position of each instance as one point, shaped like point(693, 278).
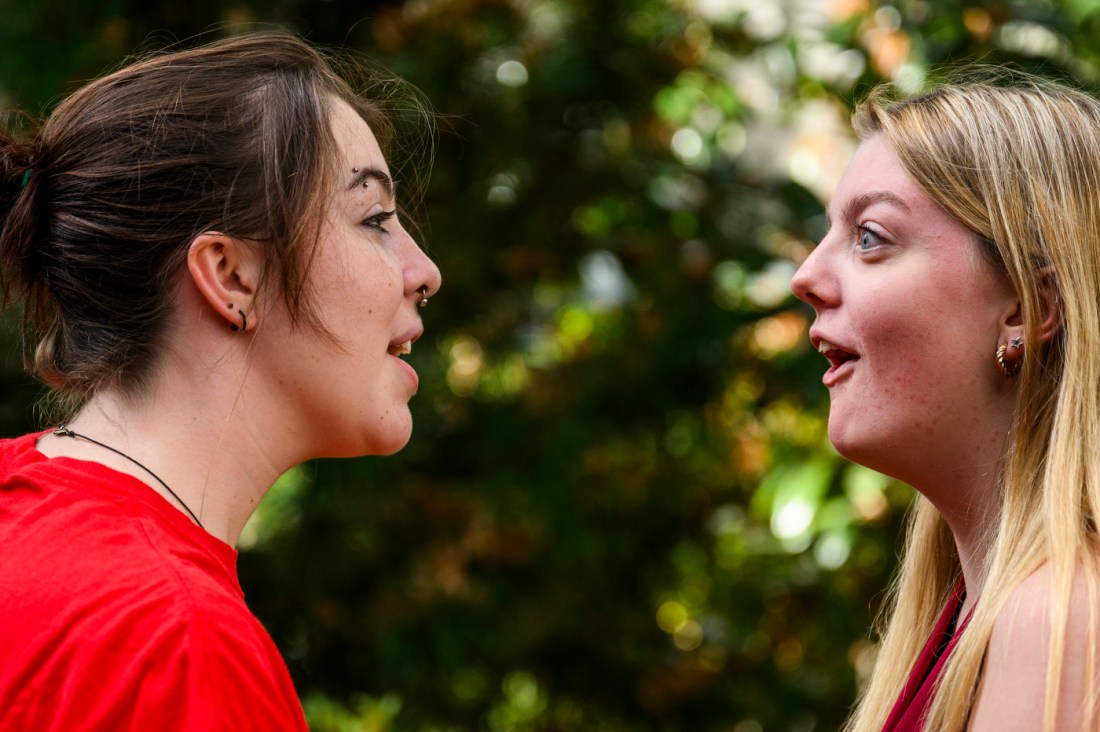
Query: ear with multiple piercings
point(244, 320)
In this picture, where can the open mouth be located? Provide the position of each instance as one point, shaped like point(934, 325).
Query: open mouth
point(401, 349)
point(837, 356)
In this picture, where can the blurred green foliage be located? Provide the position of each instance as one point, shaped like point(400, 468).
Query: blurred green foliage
point(619, 511)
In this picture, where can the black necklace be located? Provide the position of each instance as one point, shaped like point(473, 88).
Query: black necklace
point(63, 431)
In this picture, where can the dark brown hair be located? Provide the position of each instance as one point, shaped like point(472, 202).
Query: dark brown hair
point(97, 208)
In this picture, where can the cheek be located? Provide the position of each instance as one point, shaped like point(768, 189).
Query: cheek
point(927, 347)
point(902, 340)
point(382, 292)
point(369, 286)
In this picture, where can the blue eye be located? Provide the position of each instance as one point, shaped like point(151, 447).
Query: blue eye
point(866, 239)
point(376, 222)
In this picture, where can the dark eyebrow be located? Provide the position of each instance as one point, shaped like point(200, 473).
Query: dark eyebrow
point(866, 200)
point(362, 175)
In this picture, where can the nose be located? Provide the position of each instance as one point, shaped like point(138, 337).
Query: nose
point(811, 283)
point(422, 276)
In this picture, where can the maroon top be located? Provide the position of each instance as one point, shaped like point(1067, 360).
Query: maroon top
point(910, 708)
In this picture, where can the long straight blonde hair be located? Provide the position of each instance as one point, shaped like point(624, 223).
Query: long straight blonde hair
point(1016, 159)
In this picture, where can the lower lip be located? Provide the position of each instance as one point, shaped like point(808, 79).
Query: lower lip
point(835, 374)
point(410, 371)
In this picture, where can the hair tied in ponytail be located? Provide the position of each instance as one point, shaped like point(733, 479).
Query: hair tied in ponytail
point(26, 179)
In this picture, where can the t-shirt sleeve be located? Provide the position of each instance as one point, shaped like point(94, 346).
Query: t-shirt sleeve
point(212, 671)
point(235, 680)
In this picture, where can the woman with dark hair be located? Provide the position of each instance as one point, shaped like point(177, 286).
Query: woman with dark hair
point(217, 286)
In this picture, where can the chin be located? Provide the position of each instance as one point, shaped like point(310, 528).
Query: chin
point(368, 443)
point(866, 453)
point(878, 455)
point(841, 441)
point(391, 442)
point(390, 449)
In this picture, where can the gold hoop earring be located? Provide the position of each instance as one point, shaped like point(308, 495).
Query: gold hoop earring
point(1011, 368)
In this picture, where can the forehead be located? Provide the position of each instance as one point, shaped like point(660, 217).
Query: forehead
point(875, 165)
point(356, 145)
point(876, 173)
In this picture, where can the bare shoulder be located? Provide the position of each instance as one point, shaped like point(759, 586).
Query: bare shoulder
point(1013, 685)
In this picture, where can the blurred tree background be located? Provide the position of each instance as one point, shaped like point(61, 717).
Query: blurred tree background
point(619, 510)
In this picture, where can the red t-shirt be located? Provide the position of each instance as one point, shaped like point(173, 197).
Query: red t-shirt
point(117, 613)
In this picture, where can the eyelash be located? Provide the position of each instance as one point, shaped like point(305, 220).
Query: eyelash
point(375, 222)
point(861, 230)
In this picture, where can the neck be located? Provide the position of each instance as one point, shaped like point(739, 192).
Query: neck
point(64, 430)
point(969, 499)
point(973, 542)
point(193, 437)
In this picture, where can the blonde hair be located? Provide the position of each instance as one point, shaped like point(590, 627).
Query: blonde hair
point(1017, 160)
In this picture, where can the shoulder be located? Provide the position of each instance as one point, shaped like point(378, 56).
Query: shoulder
point(1013, 687)
point(158, 663)
point(18, 452)
point(121, 630)
point(226, 670)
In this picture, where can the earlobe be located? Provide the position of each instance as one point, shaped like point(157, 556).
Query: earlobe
point(225, 271)
point(1009, 351)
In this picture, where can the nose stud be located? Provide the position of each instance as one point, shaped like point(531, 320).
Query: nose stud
point(423, 301)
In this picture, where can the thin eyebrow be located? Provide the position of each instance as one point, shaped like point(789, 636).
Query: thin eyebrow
point(362, 175)
point(866, 200)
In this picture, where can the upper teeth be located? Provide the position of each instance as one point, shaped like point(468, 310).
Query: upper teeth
point(403, 349)
point(824, 346)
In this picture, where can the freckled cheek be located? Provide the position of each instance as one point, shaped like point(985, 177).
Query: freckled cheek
point(899, 362)
point(375, 293)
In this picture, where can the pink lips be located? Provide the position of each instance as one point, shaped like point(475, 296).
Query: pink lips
point(841, 360)
point(402, 346)
point(410, 371)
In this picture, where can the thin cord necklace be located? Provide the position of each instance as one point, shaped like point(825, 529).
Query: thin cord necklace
point(63, 431)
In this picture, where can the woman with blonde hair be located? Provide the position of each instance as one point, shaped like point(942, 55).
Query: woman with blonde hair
point(217, 281)
point(957, 299)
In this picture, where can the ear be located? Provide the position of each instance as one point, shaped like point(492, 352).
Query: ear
point(1050, 304)
point(1050, 313)
point(226, 271)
